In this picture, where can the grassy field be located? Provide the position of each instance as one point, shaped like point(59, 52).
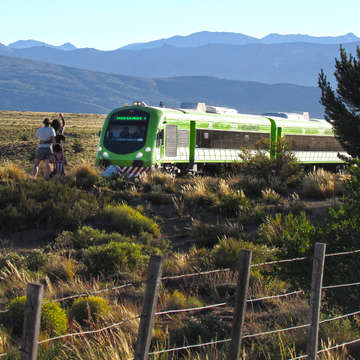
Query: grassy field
point(18, 143)
point(81, 233)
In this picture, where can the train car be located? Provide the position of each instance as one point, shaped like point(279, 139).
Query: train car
point(138, 137)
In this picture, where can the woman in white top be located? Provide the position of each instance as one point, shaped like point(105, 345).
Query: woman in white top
point(46, 135)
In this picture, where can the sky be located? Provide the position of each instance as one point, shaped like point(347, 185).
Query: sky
point(111, 24)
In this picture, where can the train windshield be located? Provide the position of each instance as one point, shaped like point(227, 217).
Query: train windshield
point(126, 134)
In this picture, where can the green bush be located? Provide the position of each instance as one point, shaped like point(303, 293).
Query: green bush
point(283, 166)
point(234, 204)
point(89, 308)
point(178, 300)
point(85, 176)
point(35, 260)
point(128, 221)
point(207, 235)
point(227, 252)
point(53, 317)
point(110, 258)
point(44, 204)
point(86, 237)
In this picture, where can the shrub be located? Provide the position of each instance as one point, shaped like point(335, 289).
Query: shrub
point(77, 146)
point(107, 259)
point(87, 236)
point(35, 260)
point(234, 203)
point(270, 196)
point(284, 165)
point(319, 184)
point(44, 204)
point(86, 176)
point(292, 235)
point(53, 318)
point(89, 308)
point(227, 252)
point(177, 300)
point(207, 235)
point(126, 220)
point(10, 172)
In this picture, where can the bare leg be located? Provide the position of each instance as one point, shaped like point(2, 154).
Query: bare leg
point(47, 169)
point(36, 167)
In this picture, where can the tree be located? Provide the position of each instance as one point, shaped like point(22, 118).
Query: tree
point(342, 109)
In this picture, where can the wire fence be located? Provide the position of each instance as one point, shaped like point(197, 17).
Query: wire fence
point(209, 307)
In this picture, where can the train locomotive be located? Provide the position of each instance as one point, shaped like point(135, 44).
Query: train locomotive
point(137, 138)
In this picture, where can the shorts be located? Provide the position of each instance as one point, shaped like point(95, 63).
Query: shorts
point(43, 153)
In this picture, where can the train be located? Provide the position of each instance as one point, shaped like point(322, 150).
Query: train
point(137, 137)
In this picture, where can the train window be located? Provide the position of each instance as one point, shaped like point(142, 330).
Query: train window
point(160, 138)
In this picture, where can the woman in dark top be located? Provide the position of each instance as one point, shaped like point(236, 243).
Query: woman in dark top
point(59, 128)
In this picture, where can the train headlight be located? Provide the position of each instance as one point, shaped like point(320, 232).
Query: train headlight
point(139, 155)
point(99, 148)
point(148, 149)
point(105, 155)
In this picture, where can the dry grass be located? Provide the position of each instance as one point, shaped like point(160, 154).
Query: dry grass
point(270, 196)
point(321, 184)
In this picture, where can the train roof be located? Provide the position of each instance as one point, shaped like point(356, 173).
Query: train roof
point(227, 115)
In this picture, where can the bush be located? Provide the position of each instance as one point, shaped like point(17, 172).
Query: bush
point(89, 308)
point(177, 300)
point(86, 176)
point(35, 260)
point(126, 220)
point(44, 204)
point(284, 166)
point(319, 184)
point(207, 235)
point(9, 172)
point(234, 204)
point(113, 257)
point(86, 237)
point(53, 318)
point(227, 252)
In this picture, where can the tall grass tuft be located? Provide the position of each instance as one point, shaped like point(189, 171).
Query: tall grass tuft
point(319, 184)
point(9, 172)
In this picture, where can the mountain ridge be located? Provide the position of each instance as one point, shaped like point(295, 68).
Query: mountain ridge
point(37, 86)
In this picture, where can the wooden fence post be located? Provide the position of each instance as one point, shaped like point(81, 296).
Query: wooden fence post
point(240, 306)
point(30, 337)
point(315, 299)
point(149, 307)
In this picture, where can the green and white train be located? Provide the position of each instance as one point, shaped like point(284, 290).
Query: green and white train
point(138, 137)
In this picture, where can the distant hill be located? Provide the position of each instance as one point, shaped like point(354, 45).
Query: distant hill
point(295, 63)
point(207, 37)
point(37, 86)
point(24, 44)
point(276, 61)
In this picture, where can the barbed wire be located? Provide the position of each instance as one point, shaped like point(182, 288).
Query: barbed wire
point(88, 332)
point(343, 253)
point(190, 347)
point(280, 261)
point(340, 317)
point(275, 331)
point(195, 274)
point(338, 346)
point(340, 286)
point(97, 291)
point(190, 309)
point(275, 296)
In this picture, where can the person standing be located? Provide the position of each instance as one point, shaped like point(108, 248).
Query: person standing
point(58, 160)
point(59, 128)
point(46, 136)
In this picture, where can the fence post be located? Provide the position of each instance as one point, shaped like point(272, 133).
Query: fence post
point(240, 305)
point(149, 307)
point(315, 299)
point(30, 337)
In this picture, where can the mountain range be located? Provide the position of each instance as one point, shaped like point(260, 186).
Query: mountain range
point(276, 61)
point(38, 86)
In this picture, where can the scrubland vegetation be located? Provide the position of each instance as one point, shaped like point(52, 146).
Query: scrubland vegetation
point(83, 233)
